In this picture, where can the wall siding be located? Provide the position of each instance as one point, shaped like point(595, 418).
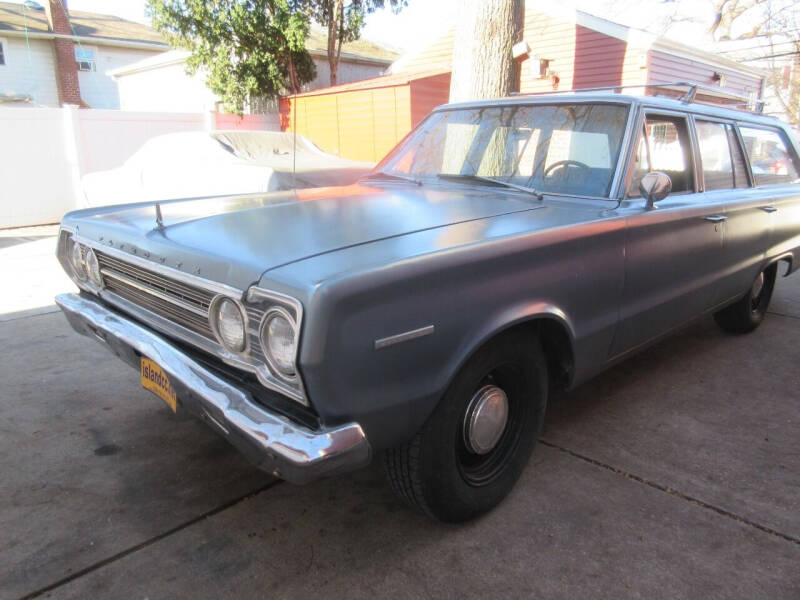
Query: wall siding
point(167, 89)
point(357, 124)
point(599, 59)
point(346, 73)
point(665, 67)
point(98, 88)
point(580, 57)
point(29, 70)
point(427, 94)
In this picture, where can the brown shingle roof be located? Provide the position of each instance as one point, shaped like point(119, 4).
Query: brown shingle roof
point(19, 18)
point(318, 41)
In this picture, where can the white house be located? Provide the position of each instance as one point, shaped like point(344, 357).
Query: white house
point(50, 55)
point(160, 83)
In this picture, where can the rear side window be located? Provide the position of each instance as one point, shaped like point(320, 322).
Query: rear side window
point(724, 166)
point(715, 154)
point(771, 159)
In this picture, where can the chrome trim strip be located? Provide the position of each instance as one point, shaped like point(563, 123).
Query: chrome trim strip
point(273, 442)
point(403, 337)
point(153, 292)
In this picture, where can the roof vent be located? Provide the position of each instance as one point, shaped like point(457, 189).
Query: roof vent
point(32, 5)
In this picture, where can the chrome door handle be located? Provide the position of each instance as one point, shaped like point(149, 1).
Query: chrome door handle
point(716, 218)
point(769, 209)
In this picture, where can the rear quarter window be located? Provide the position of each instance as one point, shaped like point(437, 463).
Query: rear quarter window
point(772, 159)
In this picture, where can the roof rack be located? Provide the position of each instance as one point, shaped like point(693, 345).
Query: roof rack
point(690, 96)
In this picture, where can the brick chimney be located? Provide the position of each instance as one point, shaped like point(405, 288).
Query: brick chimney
point(69, 89)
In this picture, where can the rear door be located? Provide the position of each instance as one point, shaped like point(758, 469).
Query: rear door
point(673, 251)
point(725, 178)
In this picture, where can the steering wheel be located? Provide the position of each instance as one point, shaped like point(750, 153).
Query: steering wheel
point(568, 164)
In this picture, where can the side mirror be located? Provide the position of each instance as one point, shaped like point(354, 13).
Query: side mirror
point(655, 186)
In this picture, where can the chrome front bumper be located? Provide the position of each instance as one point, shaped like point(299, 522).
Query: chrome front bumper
point(270, 440)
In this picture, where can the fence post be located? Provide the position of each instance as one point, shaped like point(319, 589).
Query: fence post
point(71, 130)
point(210, 120)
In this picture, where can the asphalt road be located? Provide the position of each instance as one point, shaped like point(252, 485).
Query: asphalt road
point(676, 474)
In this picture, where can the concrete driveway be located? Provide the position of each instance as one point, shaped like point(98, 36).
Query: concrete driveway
point(676, 474)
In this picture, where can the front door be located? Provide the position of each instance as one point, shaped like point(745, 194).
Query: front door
point(674, 251)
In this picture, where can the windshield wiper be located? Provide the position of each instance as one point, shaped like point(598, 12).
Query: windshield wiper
point(391, 177)
point(497, 182)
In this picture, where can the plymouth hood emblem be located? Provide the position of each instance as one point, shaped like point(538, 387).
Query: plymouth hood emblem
point(159, 217)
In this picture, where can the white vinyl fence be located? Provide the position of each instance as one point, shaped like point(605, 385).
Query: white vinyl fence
point(45, 151)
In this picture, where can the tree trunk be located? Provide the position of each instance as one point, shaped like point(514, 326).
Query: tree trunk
point(482, 63)
point(335, 25)
point(293, 75)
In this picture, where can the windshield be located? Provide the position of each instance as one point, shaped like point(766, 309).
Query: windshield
point(565, 148)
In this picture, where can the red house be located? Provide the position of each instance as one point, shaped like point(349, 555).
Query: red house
point(569, 49)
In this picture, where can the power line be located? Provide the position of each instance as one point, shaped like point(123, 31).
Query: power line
point(792, 42)
point(770, 56)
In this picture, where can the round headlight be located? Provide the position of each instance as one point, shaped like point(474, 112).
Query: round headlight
point(229, 324)
point(93, 268)
point(278, 341)
point(76, 260)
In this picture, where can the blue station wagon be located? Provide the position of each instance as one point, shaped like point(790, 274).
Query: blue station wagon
point(425, 314)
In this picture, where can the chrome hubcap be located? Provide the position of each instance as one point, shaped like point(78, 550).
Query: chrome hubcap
point(486, 418)
point(758, 285)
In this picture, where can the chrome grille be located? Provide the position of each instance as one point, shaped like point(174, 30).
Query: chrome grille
point(183, 304)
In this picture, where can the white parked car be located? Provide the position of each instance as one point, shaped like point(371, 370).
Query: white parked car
point(217, 163)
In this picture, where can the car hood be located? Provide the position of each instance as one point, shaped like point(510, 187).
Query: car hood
point(236, 239)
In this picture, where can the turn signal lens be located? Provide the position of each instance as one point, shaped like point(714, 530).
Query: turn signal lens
point(93, 268)
point(76, 260)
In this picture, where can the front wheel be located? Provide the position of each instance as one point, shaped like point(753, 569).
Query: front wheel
point(474, 446)
point(746, 314)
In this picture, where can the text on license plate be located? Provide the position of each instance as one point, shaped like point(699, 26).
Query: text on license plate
point(155, 379)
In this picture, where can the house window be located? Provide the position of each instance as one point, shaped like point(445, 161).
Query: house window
point(544, 68)
point(85, 58)
point(2, 53)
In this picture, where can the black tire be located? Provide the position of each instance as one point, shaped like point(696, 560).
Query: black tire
point(437, 473)
point(748, 312)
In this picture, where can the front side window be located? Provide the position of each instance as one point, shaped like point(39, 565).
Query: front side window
point(715, 155)
point(771, 159)
point(663, 146)
point(85, 57)
point(567, 149)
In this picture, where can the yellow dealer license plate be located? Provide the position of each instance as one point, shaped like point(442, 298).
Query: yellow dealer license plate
point(155, 379)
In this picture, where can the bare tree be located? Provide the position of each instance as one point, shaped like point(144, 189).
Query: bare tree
point(776, 24)
point(483, 66)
